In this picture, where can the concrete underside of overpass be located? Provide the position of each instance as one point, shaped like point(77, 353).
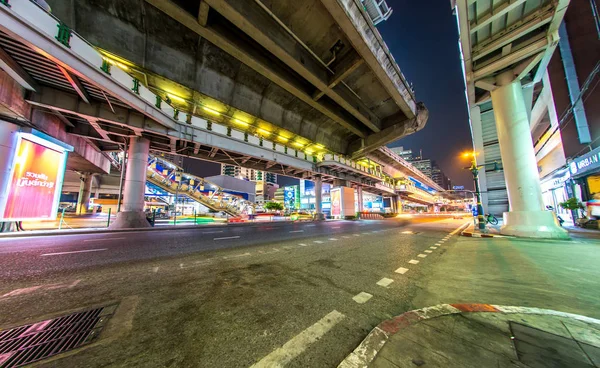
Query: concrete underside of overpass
point(317, 70)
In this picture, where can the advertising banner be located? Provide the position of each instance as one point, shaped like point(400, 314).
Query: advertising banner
point(336, 202)
point(35, 182)
point(291, 197)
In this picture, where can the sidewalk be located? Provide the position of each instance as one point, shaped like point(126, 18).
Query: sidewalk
point(542, 276)
point(480, 335)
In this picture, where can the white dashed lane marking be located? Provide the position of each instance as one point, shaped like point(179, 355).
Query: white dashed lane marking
point(428, 251)
point(333, 239)
point(302, 245)
point(297, 231)
point(433, 247)
point(75, 251)
point(385, 282)
point(422, 255)
point(318, 242)
point(362, 297)
point(102, 239)
point(402, 270)
point(227, 237)
point(299, 343)
point(413, 261)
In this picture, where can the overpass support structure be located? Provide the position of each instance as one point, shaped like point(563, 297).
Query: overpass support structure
point(506, 47)
point(132, 214)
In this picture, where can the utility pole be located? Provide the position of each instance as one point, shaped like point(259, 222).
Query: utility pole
point(475, 171)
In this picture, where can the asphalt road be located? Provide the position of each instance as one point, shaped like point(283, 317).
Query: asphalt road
point(300, 295)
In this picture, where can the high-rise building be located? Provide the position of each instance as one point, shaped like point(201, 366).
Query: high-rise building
point(405, 154)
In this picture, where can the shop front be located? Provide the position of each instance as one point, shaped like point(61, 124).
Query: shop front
point(585, 171)
point(556, 190)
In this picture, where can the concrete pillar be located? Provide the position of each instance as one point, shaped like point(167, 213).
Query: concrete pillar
point(359, 198)
point(8, 143)
point(527, 216)
point(319, 199)
point(85, 191)
point(132, 211)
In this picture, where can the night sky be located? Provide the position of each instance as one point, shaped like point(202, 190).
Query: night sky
point(423, 37)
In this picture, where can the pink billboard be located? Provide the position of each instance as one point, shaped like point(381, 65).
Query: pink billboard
point(35, 182)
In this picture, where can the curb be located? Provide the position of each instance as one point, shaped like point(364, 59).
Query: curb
point(368, 349)
point(479, 235)
point(38, 233)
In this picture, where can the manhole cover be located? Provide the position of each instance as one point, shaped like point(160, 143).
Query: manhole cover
point(537, 348)
point(26, 344)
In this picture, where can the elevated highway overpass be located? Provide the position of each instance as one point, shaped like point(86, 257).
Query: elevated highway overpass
point(225, 81)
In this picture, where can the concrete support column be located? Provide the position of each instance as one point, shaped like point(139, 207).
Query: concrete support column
point(85, 191)
point(319, 199)
point(359, 198)
point(8, 143)
point(527, 216)
point(132, 211)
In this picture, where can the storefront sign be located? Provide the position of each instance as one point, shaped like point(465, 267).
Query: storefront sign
point(586, 163)
point(36, 179)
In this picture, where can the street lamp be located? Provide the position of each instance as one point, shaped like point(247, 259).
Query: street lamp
point(475, 171)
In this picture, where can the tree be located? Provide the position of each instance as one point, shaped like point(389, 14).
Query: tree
point(572, 204)
point(273, 206)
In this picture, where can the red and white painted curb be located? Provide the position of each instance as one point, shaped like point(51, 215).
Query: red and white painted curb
point(480, 235)
point(364, 354)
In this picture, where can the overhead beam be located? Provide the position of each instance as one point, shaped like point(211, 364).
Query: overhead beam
point(343, 69)
point(511, 59)
point(532, 22)
point(75, 83)
point(264, 29)
point(495, 13)
point(203, 13)
point(128, 118)
point(99, 130)
point(370, 46)
point(16, 72)
point(361, 147)
point(254, 60)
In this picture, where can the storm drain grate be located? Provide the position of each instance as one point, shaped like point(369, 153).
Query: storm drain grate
point(26, 344)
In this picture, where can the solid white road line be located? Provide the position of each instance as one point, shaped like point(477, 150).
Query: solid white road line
point(402, 270)
point(75, 251)
point(385, 282)
point(299, 343)
point(227, 237)
point(362, 297)
point(102, 239)
point(413, 261)
point(297, 231)
point(460, 227)
point(237, 255)
point(428, 251)
point(422, 255)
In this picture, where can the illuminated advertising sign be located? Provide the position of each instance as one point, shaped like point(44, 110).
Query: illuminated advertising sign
point(291, 197)
point(36, 179)
point(586, 163)
point(336, 202)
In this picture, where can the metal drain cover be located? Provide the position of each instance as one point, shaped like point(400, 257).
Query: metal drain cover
point(26, 344)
